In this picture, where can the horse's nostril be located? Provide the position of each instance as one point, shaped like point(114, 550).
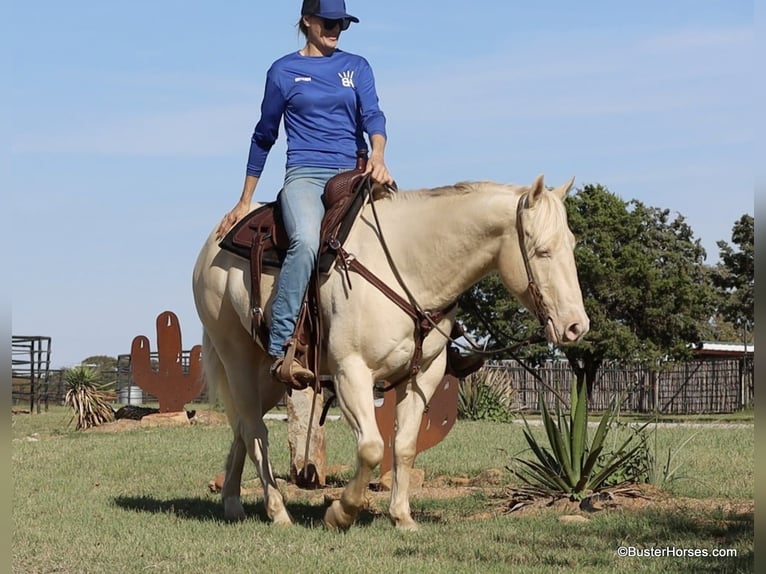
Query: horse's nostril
point(574, 331)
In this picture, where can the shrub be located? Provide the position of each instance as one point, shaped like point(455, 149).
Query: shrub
point(91, 405)
point(485, 396)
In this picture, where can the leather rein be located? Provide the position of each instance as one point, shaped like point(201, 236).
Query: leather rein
point(427, 320)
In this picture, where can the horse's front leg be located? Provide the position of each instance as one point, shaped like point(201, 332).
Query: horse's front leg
point(410, 406)
point(354, 390)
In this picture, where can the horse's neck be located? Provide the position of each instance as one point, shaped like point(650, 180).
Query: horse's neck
point(444, 244)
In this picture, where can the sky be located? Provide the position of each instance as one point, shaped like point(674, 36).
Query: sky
point(126, 127)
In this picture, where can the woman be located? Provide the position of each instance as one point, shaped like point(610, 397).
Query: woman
point(328, 100)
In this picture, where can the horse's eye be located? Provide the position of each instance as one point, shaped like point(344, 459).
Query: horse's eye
point(544, 253)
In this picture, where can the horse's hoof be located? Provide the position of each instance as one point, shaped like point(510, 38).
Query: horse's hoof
point(233, 511)
point(282, 519)
point(407, 526)
point(335, 518)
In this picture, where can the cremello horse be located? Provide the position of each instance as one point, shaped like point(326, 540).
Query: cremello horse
point(441, 241)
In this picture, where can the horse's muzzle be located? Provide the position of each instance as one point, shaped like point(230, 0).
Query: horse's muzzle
point(571, 331)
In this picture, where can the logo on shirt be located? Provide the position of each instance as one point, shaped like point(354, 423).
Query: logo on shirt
point(303, 79)
point(347, 78)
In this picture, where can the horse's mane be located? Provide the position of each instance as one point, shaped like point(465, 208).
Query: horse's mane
point(460, 188)
point(548, 215)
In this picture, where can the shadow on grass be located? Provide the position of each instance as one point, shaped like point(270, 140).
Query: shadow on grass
point(303, 514)
point(711, 530)
point(670, 532)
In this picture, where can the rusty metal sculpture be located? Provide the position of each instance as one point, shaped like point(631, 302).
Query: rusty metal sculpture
point(438, 419)
point(171, 383)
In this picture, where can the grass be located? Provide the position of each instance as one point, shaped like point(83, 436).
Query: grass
point(138, 501)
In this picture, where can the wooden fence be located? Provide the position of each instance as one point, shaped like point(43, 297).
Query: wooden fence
point(714, 385)
point(711, 385)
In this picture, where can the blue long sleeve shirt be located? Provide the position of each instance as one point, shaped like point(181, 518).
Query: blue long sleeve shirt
point(328, 104)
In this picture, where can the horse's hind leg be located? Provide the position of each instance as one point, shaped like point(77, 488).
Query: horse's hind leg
point(354, 390)
point(230, 493)
point(218, 383)
point(410, 406)
point(247, 371)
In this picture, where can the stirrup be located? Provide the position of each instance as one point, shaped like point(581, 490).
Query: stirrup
point(296, 378)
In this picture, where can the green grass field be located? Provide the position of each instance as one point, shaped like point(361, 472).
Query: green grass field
point(138, 501)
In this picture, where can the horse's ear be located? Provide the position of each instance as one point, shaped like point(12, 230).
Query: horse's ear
point(535, 190)
point(563, 189)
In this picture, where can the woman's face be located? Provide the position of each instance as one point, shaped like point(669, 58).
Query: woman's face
point(322, 33)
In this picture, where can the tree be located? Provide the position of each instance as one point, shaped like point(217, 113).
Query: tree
point(104, 367)
point(734, 276)
point(643, 281)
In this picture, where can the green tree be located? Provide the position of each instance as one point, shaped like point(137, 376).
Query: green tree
point(104, 368)
point(734, 275)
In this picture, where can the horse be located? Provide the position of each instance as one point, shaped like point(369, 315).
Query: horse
point(429, 246)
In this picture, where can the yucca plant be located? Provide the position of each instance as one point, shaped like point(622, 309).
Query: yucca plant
point(87, 398)
point(572, 465)
point(485, 396)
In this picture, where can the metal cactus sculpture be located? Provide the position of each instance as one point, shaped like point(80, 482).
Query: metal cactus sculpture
point(173, 385)
point(439, 418)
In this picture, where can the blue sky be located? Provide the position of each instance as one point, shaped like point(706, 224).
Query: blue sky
point(128, 126)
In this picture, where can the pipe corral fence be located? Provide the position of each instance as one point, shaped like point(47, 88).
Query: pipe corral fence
point(30, 371)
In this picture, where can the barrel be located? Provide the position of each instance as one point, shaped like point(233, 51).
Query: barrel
point(132, 395)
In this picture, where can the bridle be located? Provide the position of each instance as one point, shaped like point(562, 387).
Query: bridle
point(539, 307)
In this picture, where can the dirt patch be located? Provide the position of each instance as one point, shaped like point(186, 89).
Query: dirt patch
point(628, 498)
point(503, 500)
point(116, 426)
point(201, 417)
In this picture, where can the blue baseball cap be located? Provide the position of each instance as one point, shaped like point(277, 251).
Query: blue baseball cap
point(329, 9)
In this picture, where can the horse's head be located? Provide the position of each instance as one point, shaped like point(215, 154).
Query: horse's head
point(537, 263)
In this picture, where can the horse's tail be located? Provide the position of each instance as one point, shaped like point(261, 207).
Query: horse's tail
point(212, 367)
point(215, 376)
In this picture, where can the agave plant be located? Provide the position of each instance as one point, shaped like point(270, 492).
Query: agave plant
point(87, 398)
point(572, 465)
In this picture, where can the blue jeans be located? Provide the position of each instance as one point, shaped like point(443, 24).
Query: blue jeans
point(302, 212)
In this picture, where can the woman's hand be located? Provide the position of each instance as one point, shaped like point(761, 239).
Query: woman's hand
point(240, 210)
point(231, 219)
point(377, 167)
